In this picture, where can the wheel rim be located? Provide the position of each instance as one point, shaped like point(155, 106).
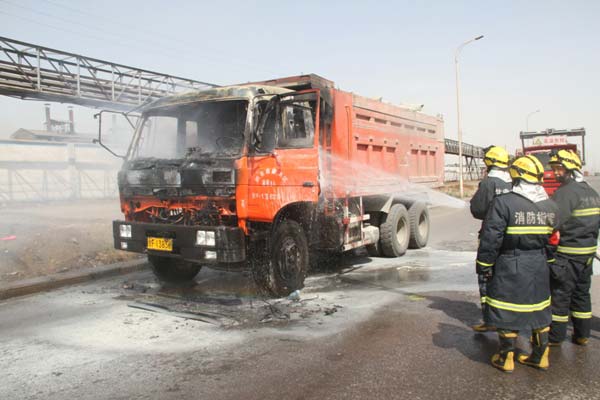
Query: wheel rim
point(288, 259)
point(401, 231)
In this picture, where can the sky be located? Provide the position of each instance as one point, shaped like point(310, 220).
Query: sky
point(535, 54)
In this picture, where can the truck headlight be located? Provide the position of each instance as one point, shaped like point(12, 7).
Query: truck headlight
point(125, 231)
point(205, 238)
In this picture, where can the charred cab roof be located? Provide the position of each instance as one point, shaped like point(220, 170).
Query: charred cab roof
point(219, 93)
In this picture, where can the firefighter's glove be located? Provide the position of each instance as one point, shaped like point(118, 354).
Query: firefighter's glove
point(554, 239)
point(485, 272)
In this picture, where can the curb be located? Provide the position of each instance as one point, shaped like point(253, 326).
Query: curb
point(61, 279)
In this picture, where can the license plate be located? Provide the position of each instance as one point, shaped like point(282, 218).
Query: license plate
point(160, 244)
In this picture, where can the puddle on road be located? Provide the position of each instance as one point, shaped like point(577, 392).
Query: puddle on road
point(401, 275)
point(420, 270)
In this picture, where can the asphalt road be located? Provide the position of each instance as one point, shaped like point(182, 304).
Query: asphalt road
point(373, 328)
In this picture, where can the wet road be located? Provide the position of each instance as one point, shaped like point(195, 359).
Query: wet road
point(375, 328)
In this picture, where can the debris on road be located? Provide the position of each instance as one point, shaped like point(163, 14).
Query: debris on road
point(294, 296)
point(186, 315)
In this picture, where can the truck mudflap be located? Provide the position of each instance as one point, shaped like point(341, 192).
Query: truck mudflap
point(201, 244)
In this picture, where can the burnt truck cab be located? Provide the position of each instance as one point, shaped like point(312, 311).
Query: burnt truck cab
point(186, 182)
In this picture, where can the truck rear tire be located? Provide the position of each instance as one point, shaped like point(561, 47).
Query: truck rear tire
point(172, 270)
point(418, 216)
point(284, 269)
point(394, 232)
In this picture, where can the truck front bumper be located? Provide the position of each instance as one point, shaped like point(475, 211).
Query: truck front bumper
point(229, 242)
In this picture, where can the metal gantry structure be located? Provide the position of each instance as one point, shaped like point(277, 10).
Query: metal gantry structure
point(471, 155)
point(33, 72)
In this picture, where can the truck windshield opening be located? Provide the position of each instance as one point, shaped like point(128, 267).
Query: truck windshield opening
point(192, 130)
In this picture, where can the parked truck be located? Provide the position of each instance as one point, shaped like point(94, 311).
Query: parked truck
point(541, 144)
point(271, 176)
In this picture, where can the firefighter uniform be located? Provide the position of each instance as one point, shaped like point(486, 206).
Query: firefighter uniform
point(512, 252)
point(579, 213)
point(496, 182)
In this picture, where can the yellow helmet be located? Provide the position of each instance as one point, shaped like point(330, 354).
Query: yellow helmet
point(496, 156)
point(567, 158)
point(528, 168)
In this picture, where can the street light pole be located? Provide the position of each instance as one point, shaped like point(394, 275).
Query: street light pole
point(460, 160)
point(527, 119)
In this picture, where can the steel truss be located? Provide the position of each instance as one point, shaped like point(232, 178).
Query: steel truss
point(33, 72)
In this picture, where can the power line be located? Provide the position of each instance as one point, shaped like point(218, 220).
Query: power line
point(119, 38)
point(163, 36)
point(117, 43)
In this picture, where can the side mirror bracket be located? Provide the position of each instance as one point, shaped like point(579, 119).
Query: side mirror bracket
point(98, 116)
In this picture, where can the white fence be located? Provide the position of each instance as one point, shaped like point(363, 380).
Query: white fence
point(40, 171)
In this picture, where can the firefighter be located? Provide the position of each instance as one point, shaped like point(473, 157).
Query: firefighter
point(570, 274)
point(496, 182)
point(512, 255)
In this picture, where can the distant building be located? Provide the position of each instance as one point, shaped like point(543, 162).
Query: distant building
point(56, 131)
point(31, 134)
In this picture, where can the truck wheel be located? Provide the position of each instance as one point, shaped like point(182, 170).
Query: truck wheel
point(172, 270)
point(289, 257)
point(394, 232)
point(285, 268)
point(418, 217)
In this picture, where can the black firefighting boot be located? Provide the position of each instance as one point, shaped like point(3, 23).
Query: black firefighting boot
point(504, 359)
point(539, 355)
point(581, 327)
point(580, 341)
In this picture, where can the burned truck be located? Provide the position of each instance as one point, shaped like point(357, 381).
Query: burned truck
point(271, 176)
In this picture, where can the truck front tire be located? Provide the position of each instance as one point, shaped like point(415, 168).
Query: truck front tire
point(394, 232)
point(172, 270)
point(284, 269)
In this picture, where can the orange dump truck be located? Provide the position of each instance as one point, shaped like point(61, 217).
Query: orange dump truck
point(272, 175)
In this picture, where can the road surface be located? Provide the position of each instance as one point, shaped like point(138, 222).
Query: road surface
point(371, 328)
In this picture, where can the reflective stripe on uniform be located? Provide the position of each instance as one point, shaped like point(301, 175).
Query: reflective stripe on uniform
point(560, 318)
point(507, 334)
point(551, 260)
point(577, 250)
point(586, 212)
point(581, 315)
point(483, 299)
point(503, 305)
point(529, 230)
point(484, 264)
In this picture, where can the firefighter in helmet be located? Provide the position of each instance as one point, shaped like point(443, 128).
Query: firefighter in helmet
point(496, 182)
point(512, 254)
point(570, 274)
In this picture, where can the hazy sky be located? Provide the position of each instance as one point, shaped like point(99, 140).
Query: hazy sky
point(535, 55)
